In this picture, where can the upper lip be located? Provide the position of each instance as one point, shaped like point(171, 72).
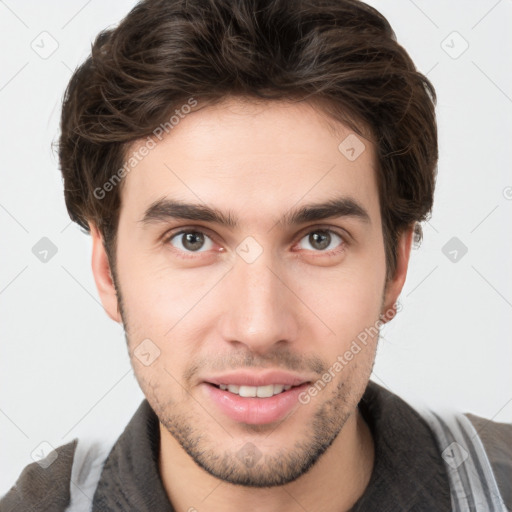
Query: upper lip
point(245, 378)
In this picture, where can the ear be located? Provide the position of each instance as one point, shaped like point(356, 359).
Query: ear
point(395, 284)
point(103, 276)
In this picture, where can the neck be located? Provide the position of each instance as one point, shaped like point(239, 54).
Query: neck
point(333, 484)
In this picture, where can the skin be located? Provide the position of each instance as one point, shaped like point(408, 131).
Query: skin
point(297, 307)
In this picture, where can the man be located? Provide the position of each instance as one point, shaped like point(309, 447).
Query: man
point(253, 175)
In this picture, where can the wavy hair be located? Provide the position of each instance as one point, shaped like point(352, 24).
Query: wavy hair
point(341, 55)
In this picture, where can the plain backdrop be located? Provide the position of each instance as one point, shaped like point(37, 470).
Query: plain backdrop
point(64, 367)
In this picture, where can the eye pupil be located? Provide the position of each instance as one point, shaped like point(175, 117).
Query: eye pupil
point(193, 240)
point(320, 241)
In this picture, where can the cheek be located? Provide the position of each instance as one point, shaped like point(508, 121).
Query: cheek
point(347, 299)
point(169, 308)
point(350, 315)
point(157, 296)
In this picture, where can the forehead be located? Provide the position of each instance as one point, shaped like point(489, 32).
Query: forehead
point(253, 157)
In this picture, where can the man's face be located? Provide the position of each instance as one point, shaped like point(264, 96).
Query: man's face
point(258, 301)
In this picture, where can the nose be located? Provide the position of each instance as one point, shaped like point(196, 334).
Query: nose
point(259, 309)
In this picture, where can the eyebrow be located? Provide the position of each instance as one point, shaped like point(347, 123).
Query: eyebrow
point(165, 209)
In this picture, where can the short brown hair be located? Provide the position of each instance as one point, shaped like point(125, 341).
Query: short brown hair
point(341, 55)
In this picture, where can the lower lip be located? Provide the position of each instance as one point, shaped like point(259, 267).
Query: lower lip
point(254, 410)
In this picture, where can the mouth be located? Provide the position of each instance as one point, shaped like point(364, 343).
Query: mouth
point(254, 391)
point(254, 405)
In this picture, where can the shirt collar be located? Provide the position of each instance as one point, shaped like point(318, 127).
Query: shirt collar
point(408, 473)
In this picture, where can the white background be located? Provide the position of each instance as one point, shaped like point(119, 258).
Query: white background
point(64, 368)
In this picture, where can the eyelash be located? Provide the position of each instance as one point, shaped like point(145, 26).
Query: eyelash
point(190, 254)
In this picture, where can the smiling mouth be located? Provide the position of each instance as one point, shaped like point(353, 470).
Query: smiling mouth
point(255, 391)
point(243, 402)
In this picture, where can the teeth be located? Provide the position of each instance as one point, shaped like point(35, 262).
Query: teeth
point(264, 391)
point(278, 388)
point(253, 391)
point(247, 391)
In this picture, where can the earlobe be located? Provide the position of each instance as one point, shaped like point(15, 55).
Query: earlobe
point(395, 285)
point(103, 277)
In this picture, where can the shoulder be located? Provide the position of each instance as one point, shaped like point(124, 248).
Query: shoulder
point(495, 435)
point(496, 439)
point(63, 481)
point(478, 456)
point(43, 485)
